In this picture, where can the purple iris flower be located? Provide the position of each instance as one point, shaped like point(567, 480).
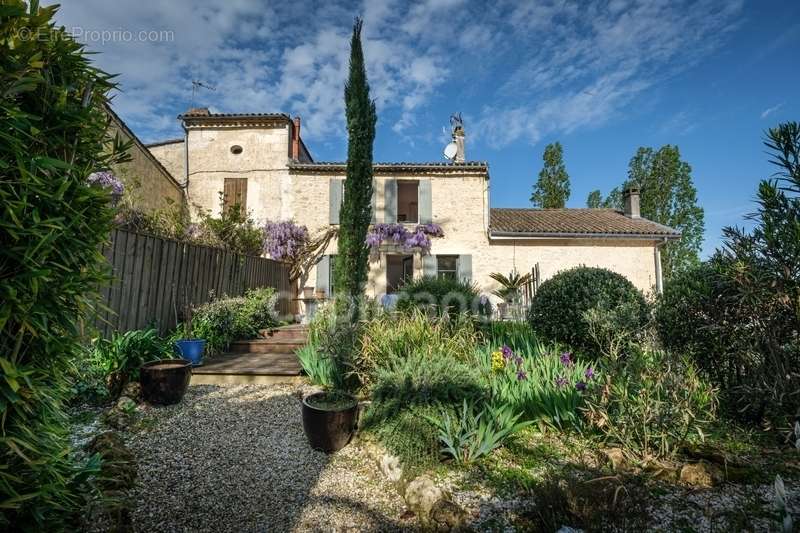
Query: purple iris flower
point(566, 360)
point(581, 386)
point(518, 360)
point(507, 352)
point(521, 375)
point(561, 382)
point(589, 373)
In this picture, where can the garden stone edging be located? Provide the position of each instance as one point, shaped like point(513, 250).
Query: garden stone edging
point(433, 506)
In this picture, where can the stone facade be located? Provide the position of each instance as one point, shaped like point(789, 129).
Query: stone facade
point(284, 183)
point(148, 185)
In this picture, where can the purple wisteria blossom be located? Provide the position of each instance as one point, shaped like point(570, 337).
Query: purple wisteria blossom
point(284, 240)
point(399, 235)
point(581, 386)
point(566, 359)
point(561, 382)
point(589, 373)
point(107, 180)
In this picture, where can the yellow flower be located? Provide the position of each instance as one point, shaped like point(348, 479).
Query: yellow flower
point(498, 361)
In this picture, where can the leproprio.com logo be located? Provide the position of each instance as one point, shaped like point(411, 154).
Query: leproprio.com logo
point(102, 36)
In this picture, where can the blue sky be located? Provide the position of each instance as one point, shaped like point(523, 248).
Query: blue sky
point(601, 77)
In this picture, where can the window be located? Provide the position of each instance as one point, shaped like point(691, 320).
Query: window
point(236, 149)
point(408, 201)
point(331, 268)
point(447, 266)
point(235, 193)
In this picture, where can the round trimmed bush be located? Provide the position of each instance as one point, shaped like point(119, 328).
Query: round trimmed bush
point(557, 310)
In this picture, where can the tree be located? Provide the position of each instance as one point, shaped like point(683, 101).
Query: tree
point(668, 196)
point(552, 188)
point(52, 227)
point(352, 261)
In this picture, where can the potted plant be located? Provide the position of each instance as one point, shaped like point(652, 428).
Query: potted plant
point(511, 290)
point(188, 347)
point(329, 417)
point(165, 382)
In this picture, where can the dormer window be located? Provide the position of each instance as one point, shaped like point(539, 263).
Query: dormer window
point(408, 201)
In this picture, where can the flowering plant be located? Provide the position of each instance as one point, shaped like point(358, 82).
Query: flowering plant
point(399, 234)
point(284, 240)
point(547, 385)
point(107, 180)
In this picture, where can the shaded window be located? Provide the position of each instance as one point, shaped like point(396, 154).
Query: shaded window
point(407, 201)
point(447, 266)
point(235, 193)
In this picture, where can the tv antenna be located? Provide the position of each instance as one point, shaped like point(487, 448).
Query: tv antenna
point(197, 84)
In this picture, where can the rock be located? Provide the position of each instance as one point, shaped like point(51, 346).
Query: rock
point(118, 470)
point(616, 457)
point(133, 390)
point(448, 515)
point(391, 468)
point(421, 495)
point(117, 419)
point(125, 404)
point(701, 474)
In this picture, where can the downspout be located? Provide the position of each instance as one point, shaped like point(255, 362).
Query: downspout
point(185, 160)
point(659, 275)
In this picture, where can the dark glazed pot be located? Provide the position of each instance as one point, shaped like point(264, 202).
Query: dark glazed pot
point(165, 382)
point(328, 430)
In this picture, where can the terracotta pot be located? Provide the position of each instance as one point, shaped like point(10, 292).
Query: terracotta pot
point(328, 430)
point(165, 382)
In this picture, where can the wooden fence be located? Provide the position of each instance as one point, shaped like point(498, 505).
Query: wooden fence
point(155, 278)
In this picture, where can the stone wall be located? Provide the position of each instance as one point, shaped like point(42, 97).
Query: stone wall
point(148, 184)
point(170, 154)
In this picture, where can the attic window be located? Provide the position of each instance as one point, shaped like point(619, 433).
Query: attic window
point(236, 149)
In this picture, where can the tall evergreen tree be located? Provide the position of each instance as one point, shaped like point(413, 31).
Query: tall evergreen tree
point(351, 266)
point(595, 199)
point(668, 196)
point(552, 188)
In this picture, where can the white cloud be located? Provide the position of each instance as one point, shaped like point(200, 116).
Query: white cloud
point(536, 67)
point(770, 110)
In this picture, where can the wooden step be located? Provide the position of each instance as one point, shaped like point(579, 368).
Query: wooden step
point(250, 365)
point(287, 333)
point(265, 346)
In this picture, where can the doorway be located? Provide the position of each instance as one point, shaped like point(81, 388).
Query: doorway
point(399, 270)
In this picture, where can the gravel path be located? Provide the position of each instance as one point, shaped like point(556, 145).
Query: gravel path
point(235, 458)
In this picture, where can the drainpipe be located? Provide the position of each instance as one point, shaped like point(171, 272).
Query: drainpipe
point(659, 276)
point(185, 161)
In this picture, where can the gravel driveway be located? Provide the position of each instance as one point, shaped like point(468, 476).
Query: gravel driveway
point(235, 458)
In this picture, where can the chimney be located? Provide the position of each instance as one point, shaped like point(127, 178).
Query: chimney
point(631, 198)
point(458, 136)
point(296, 139)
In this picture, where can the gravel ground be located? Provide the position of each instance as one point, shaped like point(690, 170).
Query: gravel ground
point(235, 458)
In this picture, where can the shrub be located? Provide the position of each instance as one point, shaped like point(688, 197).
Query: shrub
point(224, 320)
point(52, 226)
point(387, 338)
point(118, 360)
point(557, 311)
point(443, 296)
point(652, 404)
point(475, 430)
point(544, 383)
point(409, 434)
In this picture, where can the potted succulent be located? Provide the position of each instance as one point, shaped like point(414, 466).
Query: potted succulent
point(329, 417)
point(188, 347)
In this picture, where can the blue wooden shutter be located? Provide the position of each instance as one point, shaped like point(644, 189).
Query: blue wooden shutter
point(465, 267)
point(390, 201)
point(425, 207)
point(336, 189)
point(429, 266)
point(323, 274)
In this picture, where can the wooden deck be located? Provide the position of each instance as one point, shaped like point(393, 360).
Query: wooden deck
point(269, 359)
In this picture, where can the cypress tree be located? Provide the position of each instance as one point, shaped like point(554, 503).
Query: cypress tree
point(352, 261)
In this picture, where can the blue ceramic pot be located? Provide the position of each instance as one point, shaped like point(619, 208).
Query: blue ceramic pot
point(192, 350)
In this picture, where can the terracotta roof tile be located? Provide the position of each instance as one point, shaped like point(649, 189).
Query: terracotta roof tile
point(573, 223)
point(341, 166)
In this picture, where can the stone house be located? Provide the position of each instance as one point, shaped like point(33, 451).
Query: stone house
point(259, 160)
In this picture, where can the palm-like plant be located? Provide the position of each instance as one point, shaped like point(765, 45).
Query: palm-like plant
point(511, 284)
